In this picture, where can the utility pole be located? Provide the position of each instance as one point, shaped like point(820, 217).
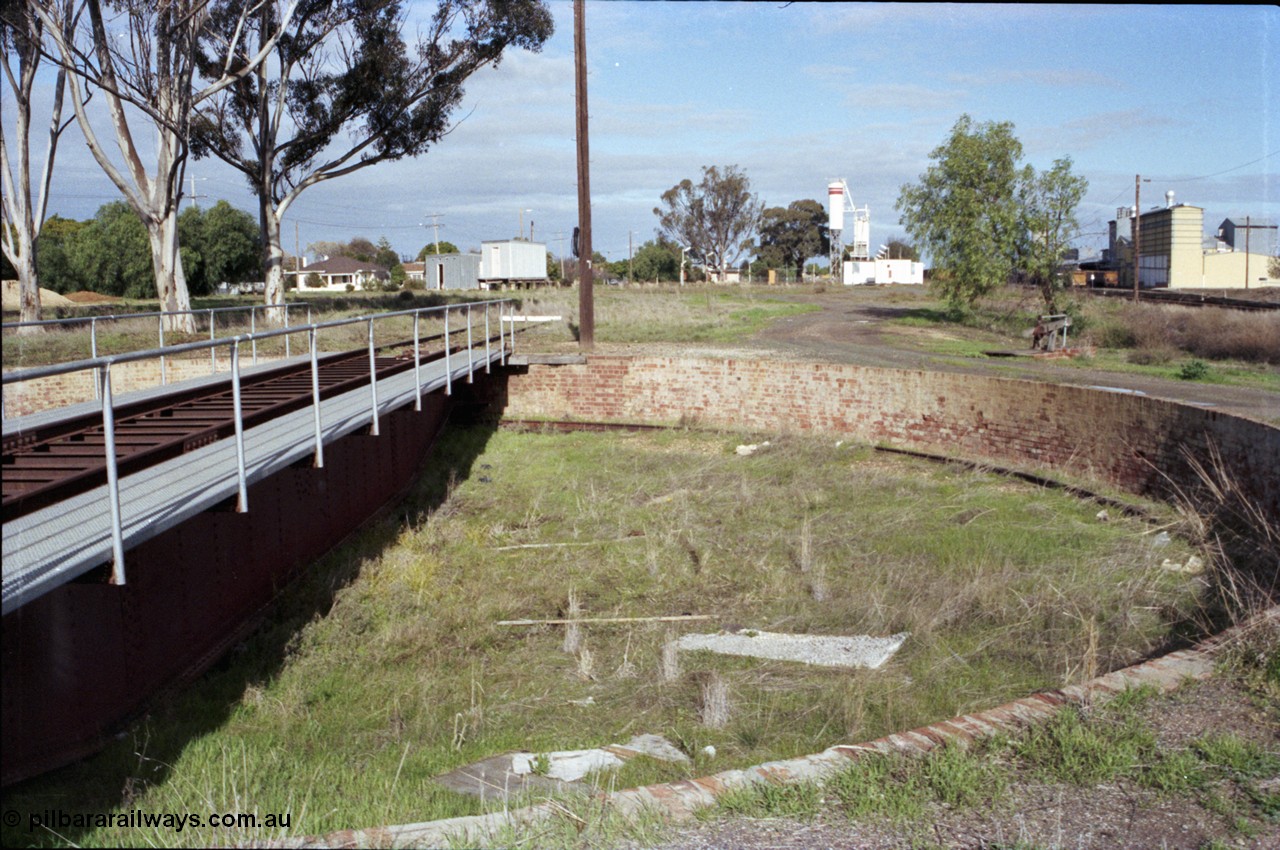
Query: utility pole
point(435, 224)
point(586, 306)
point(1137, 229)
point(559, 238)
point(630, 256)
point(1246, 251)
point(193, 180)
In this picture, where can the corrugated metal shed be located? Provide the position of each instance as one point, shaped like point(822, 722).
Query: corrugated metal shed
point(451, 271)
point(513, 261)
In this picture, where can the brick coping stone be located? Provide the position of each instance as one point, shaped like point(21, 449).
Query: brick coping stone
point(679, 800)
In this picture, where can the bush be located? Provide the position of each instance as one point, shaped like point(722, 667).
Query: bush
point(1193, 370)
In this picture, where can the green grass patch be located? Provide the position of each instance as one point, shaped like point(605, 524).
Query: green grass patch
point(385, 667)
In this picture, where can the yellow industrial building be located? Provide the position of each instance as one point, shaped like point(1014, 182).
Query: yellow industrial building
point(1172, 253)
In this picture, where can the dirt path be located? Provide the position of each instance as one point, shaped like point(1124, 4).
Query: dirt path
point(856, 327)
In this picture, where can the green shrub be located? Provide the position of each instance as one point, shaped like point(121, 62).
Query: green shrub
point(1193, 370)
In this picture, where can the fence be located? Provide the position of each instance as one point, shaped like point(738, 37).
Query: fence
point(101, 367)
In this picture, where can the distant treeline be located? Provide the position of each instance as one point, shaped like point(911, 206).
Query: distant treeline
point(110, 254)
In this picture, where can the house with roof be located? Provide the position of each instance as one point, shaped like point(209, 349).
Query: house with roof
point(342, 274)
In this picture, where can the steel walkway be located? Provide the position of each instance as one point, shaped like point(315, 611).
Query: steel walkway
point(55, 545)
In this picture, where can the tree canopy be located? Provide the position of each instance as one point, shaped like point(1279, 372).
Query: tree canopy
point(715, 218)
point(791, 235)
point(219, 245)
point(443, 247)
point(981, 216)
point(345, 91)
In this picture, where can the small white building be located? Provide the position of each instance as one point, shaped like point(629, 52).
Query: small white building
point(512, 262)
point(882, 272)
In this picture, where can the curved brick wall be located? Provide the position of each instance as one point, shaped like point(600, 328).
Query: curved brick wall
point(1130, 441)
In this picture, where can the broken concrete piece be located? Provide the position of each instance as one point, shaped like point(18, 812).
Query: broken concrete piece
point(751, 448)
point(1193, 567)
point(567, 766)
point(508, 774)
point(823, 650)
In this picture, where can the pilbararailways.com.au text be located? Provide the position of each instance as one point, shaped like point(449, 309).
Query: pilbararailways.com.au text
point(57, 819)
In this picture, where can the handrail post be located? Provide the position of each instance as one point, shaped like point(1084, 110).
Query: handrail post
point(488, 360)
point(448, 371)
point(113, 476)
point(513, 328)
point(470, 358)
point(373, 383)
point(253, 331)
point(242, 501)
point(417, 359)
point(315, 398)
point(286, 327)
point(213, 349)
point(164, 374)
point(93, 351)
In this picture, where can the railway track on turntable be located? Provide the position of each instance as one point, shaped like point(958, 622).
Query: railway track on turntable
point(48, 464)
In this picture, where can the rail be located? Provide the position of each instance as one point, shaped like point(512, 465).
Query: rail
point(102, 367)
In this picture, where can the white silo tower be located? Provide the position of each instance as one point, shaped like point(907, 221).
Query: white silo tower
point(835, 224)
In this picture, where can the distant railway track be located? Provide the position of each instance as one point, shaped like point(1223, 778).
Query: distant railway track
point(48, 464)
point(1187, 299)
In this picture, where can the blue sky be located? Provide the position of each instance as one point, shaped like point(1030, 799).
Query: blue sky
point(799, 94)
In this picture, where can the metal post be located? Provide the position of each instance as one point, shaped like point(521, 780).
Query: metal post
point(417, 380)
point(470, 359)
point(448, 371)
point(286, 327)
point(488, 361)
point(253, 331)
point(113, 477)
point(315, 398)
point(373, 383)
point(502, 336)
point(242, 502)
point(213, 356)
point(164, 375)
point(93, 349)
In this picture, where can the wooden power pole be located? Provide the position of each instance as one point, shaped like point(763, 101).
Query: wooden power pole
point(1137, 228)
point(586, 305)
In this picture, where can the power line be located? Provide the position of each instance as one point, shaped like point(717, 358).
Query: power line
point(1219, 173)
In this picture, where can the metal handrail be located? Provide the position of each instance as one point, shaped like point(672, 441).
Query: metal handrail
point(160, 317)
point(71, 320)
point(103, 366)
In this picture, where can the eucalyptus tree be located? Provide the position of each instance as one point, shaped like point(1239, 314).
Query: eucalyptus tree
point(982, 216)
point(714, 218)
point(22, 209)
point(792, 234)
point(344, 91)
point(140, 56)
point(964, 211)
point(1049, 200)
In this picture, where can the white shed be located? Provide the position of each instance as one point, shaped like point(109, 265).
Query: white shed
point(513, 261)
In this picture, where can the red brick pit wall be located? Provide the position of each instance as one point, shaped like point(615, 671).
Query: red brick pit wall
point(1137, 443)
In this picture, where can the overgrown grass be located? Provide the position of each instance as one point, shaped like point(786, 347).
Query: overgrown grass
point(1226, 775)
point(661, 314)
point(386, 667)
